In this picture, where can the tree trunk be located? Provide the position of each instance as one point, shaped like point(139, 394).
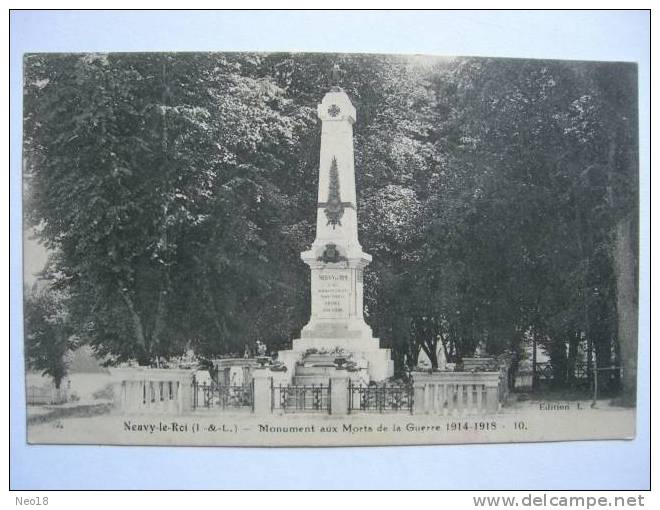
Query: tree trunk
point(625, 273)
point(445, 349)
point(429, 346)
point(626, 305)
point(534, 377)
point(159, 323)
point(559, 362)
point(137, 322)
point(573, 344)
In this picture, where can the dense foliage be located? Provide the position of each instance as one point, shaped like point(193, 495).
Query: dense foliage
point(497, 197)
point(49, 336)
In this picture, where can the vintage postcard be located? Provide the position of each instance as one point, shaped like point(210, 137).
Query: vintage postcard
point(279, 249)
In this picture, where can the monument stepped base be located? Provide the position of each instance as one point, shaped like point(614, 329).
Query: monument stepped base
point(374, 363)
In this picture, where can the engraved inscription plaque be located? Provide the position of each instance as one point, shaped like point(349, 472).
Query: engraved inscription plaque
point(334, 292)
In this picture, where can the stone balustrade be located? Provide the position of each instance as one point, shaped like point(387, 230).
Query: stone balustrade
point(152, 391)
point(457, 393)
point(169, 391)
point(501, 363)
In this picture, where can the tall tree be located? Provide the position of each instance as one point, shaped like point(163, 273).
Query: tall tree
point(497, 197)
point(48, 333)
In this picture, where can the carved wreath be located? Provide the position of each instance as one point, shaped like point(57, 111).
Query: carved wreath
point(331, 254)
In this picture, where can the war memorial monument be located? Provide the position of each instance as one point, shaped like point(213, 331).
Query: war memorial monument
point(337, 261)
point(334, 383)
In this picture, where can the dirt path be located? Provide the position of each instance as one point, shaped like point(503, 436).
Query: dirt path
point(81, 411)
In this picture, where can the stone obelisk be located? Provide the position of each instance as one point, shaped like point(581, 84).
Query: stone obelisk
point(336, 258)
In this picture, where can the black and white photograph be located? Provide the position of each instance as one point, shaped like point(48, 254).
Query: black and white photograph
point(328, 249)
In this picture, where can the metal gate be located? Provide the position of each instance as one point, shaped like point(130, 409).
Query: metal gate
point(293, 399)
point(380, 399)
point(218, 396)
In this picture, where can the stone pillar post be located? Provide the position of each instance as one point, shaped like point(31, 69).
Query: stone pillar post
point(262, 391)
point(339, 393)
point(492, 398)
point(185, 395)
point(419, 405)
point(119, 396)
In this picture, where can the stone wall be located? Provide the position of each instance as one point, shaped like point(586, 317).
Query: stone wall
point(152, 391)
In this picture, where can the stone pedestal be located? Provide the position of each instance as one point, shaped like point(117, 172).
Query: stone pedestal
point(524, 380)
point(420, 405)
point(234, 371)
point(339, 393)
point(262, 391)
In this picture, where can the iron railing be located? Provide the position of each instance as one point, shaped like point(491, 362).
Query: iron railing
point(583, 375)
point(581, 371)
point(380, 399)
point(292, 398)
point(37, 395)
point(220, 396)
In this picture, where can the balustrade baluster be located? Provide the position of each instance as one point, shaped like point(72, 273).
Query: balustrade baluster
point(469, 398)
point(460, 402)
point(451, 399)
point(441, 396)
